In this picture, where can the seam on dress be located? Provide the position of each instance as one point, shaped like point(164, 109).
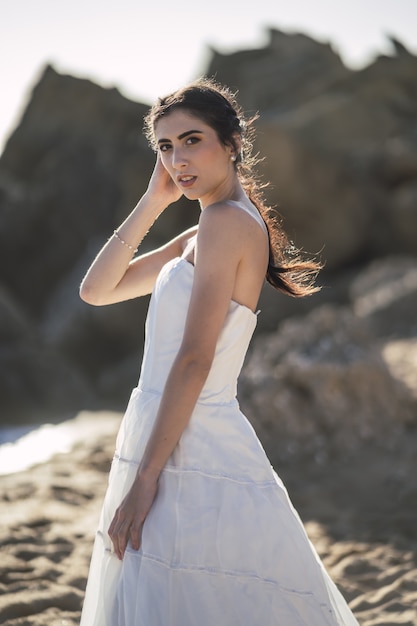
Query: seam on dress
point(227, 573)
point(218, 476)
point(156, 392)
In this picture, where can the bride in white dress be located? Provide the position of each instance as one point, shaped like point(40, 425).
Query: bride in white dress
point(196, 528)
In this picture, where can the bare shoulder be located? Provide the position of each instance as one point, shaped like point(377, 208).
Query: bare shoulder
point(222, 215)
point(218, 232)
point(231, 224)
point(222, 211)
point(231, 257)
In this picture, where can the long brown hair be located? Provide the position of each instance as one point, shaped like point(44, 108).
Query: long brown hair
point(288, 269)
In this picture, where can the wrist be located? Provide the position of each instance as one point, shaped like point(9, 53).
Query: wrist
point(148, 474)
point(152, 203)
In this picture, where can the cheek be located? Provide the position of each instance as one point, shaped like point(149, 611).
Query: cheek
point(165, 160)
point(166, 163)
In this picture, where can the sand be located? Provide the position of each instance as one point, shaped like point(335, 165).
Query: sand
point(360, 512)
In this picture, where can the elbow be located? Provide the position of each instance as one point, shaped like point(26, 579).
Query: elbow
point(196, 363)
point(90, 295)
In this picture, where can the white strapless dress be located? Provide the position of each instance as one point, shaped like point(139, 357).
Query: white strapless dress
point(222, 544)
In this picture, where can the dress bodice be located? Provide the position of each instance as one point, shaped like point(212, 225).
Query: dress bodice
point(165, 328)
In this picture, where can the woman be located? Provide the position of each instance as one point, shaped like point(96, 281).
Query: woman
point(196, 527)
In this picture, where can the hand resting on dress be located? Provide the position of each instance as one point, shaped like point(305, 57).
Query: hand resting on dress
point(130, 516)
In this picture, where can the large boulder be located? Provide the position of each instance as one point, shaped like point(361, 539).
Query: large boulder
point(60, 176)
point(320, 387)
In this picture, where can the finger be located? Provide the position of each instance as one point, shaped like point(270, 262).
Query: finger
point(123, 536)
point(112, 534)
point(115, 542)
point(121, 547)
point(110, 531)
point(118, 546)
point(114, 529)
point(116, 535)
point(117, 519)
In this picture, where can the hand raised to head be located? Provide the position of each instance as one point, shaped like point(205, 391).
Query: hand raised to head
point(161, 186)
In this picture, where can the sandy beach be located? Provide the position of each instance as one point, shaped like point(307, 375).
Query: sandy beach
point(360, 512)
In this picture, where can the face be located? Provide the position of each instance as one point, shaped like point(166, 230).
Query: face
point(198, 163)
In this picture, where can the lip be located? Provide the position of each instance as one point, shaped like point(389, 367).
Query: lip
point(186, 180)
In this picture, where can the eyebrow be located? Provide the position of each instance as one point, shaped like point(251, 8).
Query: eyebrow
point(183, 135)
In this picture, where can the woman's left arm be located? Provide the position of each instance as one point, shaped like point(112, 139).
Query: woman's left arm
point(219, 250)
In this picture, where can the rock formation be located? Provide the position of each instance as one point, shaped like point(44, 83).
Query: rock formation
point(341, 152)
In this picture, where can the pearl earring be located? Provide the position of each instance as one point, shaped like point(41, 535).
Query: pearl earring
point(233, 157)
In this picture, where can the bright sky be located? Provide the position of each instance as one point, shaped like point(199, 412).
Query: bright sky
point(147, 48)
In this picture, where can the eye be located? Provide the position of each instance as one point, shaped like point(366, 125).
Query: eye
point(192, 140)
point(163, 147)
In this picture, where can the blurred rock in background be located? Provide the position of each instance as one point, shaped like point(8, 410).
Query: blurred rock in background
point(340, 150)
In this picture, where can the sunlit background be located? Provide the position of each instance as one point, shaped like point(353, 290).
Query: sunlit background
point(147, 49)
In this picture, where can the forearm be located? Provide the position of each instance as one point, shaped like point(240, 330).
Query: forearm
point(182, 389)
point(114, 258)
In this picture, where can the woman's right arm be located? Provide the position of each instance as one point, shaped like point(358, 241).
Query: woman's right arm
point(114, 276)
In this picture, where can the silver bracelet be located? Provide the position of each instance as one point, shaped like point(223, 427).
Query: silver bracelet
point(116, 234)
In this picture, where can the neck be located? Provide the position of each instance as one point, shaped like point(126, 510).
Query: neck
point(232, 191)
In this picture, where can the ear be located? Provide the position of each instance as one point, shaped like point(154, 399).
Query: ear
point(236, 146)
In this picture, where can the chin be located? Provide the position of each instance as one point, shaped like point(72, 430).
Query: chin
point(190, 194)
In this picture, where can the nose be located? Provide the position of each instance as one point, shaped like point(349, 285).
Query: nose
point(178, 158)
